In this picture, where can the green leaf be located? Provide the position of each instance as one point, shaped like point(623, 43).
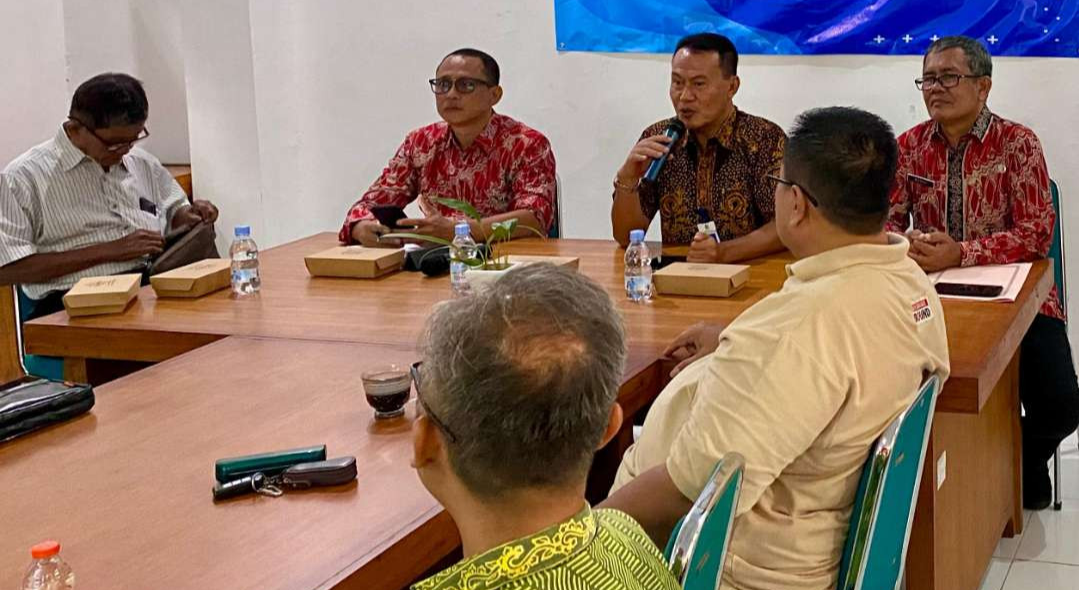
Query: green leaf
point(458, 205)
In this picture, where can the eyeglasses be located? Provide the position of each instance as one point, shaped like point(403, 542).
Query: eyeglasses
point(944, 80)
point(115, 146)
point(415, 370)
point(463, 85)
point(812, 200)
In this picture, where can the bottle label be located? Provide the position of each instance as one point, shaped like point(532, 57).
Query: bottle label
point(457, 267)
point(640, 284)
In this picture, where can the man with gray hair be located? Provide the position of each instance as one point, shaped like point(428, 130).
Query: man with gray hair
point(516, 393)
point(977, 188)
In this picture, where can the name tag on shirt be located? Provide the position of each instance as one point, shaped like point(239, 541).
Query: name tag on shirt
point(921, 310)
point(147, 206)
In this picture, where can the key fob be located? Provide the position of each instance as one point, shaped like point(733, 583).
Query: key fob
point(333, 472)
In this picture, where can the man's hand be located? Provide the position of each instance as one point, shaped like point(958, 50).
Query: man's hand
point(698, 340)
point(135, 245)
point(935, 251)
point(642, 154)
point(199, 210)
point(705, 248)
point(369, 233)
point(435, 224)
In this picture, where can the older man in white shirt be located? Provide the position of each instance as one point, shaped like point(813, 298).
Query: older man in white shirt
point(88, 202)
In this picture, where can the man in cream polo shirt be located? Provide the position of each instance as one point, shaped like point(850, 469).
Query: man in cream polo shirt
point(802, 383)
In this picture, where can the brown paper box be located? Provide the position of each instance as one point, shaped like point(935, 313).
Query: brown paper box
point(355, 262)
point(195, 279)
point(567, 261)
point(101, 295)
point(702, 280)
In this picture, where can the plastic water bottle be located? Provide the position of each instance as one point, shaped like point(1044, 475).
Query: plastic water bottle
point(638, 268)
point(48, 571)
point(464, 248)
point(245, 262)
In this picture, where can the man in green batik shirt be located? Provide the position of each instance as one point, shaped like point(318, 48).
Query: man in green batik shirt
point(516, 393)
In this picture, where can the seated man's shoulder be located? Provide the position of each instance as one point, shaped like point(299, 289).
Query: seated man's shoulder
point(917, 134)
point(758, 127)
point(651, 568)
point(428, 134)
point(42, 158)
point(617, 520)
point(517, 129)
point(1012, 131)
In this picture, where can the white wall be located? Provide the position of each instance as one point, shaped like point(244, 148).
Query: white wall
point(338, 83)
point(138, 37)
point(34, 92)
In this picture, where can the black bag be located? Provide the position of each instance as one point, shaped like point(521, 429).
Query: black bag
point(184, 246)
point(30, 403)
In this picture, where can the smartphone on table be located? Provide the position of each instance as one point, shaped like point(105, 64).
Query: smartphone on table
point(969, 290)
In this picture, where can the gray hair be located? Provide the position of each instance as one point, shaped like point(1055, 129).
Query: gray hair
point(978, 58)
point(524, 374)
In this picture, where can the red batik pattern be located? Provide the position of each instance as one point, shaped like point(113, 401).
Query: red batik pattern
point(1007, 208)
point(509, 167)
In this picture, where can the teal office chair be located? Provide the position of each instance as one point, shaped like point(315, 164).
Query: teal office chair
point(1056, 252)
point(38, 366)
point(876, 547)
point(697, 549)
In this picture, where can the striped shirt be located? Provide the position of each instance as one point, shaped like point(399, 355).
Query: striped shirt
point(54, 198)
point(595, 550)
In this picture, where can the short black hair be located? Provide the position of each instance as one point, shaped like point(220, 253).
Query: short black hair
point(846, 158)
point(711, 42)
point(110, 100)
point(490, 66)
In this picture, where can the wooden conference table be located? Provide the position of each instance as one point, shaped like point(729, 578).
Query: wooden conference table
point(969, 494)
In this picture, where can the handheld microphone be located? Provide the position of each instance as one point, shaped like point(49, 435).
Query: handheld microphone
point(675, 130)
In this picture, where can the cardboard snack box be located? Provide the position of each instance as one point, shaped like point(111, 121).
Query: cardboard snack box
point(195, 279)
point(102, 295)
point(355, 262)
point(701, 280)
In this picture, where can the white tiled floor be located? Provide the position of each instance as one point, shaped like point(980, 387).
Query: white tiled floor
point(1046, 555)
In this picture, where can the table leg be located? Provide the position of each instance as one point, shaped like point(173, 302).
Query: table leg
point(75, 370)
point(970, 492)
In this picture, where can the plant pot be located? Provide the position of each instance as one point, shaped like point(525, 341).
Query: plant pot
point(481, 278)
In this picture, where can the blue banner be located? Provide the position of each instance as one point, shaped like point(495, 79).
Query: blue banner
point(1007, 27)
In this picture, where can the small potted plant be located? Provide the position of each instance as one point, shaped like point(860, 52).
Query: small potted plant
point(489, 263)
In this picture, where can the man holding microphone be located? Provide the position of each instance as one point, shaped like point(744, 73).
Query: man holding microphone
point(715, 171)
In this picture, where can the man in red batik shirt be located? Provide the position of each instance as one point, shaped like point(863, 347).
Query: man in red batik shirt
point(977, 188)
point(504, 168)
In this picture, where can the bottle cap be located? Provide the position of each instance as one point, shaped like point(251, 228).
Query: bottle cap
point(243, 231)
point(45, 549)
point(462, 229)
point(636, 236)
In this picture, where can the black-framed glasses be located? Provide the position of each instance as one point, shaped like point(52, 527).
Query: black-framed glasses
point(812, 200)
point(415, 370)
point(463, 85)
point(944, 80)
point(114, 146)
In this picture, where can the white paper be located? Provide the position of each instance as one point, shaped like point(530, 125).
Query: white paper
point(1010, 277)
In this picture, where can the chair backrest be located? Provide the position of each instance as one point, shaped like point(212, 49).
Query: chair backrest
point(10, 358)
point(556, 226)
point(1056, 249)
point(697, 549)
point(876, 546)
